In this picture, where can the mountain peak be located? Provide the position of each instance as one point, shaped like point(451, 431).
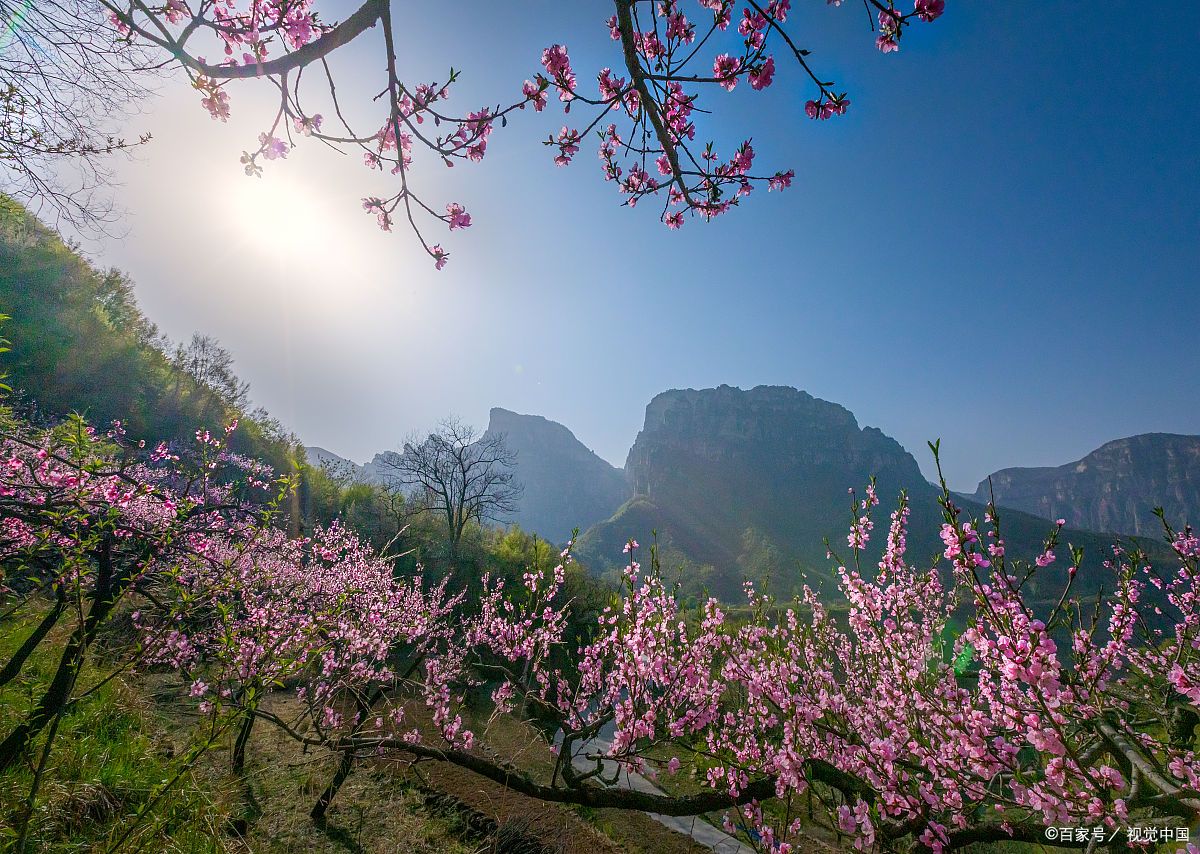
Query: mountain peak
point(722, 423)
point(672, 408)
point(566, 485)
point(319, 456)
point(1115, 488)
point(714, 469)
point(502, 420)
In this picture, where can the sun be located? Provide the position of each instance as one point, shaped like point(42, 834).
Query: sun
point(302, 234)
point(281, 217)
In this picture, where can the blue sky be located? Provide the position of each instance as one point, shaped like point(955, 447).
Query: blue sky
point(998, 245)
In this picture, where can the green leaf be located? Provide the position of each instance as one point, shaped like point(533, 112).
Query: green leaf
point(963, 661)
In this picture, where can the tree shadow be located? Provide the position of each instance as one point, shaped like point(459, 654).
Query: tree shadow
point(341, 836)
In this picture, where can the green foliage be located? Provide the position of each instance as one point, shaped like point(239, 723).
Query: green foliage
point(111, 755)
point(80, 343)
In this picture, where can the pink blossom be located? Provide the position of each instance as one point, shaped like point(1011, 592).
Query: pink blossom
point(536, 94)
point(568, 145)
point(217, 103)
point(308, 125)
point(272, 147)
point(725, 69)
point(457, 216)
point(928, 10)
point(761, 77)
point(781, 180)
point(558, 65)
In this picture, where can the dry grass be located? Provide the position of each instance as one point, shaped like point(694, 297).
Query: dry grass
point(116, 749)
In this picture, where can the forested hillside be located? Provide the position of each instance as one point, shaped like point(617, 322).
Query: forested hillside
point(80, 344)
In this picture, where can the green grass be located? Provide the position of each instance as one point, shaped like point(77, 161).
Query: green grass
point(110, 757)
point(118, 747)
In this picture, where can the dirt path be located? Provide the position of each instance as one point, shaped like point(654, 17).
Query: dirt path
point(698, 829)
point(559, 828)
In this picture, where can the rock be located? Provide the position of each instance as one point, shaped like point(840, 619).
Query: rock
point(565, 484)
point(1113, 489)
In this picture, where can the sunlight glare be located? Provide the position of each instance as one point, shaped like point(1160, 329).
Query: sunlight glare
point(282, 219)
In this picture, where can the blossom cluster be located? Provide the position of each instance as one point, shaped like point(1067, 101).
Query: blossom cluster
point(939, 704)
point(672, 51)
point(669, 51)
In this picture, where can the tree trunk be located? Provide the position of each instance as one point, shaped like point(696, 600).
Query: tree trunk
point(1181, 728)
point(339, 777)
point(58, 694)
point(239, 744)
point(51, 702)
point(347, 761)
point(17, 662)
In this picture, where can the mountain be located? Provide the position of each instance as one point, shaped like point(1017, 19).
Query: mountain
point(749, 483)
point(376, 470)
point(565, 485)
point(379, 469)
point(1115, 488)
point(319, 456)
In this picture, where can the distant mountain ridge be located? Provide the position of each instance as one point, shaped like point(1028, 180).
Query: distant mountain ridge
point(374, 471)
point(752, 483)
point(321, 457)
point(738, 482)
point(565, 484)
point(1113, 489)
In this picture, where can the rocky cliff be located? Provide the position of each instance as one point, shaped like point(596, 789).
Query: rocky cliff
point(1115, 488)
point(713, 469)
point(565, 485)
point(773, 430)
point(749, 483)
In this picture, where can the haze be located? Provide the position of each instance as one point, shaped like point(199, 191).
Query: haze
point(998, 245)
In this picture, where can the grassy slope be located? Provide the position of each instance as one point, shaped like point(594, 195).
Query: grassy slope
point(109, 757)
point(118, 745)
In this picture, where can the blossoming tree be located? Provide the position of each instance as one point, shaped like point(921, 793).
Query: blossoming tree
point(643, 109)
point(869, 716)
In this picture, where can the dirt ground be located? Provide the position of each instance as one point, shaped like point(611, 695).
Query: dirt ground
point(392, 805)
point(570, 830)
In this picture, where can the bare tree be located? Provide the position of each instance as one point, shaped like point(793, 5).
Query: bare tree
point(211, 365)
point(460, 474)
point(67, 82)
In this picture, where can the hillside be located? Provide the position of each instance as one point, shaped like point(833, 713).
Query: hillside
point(751, 483)
point(1115, 488)
point(80, 343)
